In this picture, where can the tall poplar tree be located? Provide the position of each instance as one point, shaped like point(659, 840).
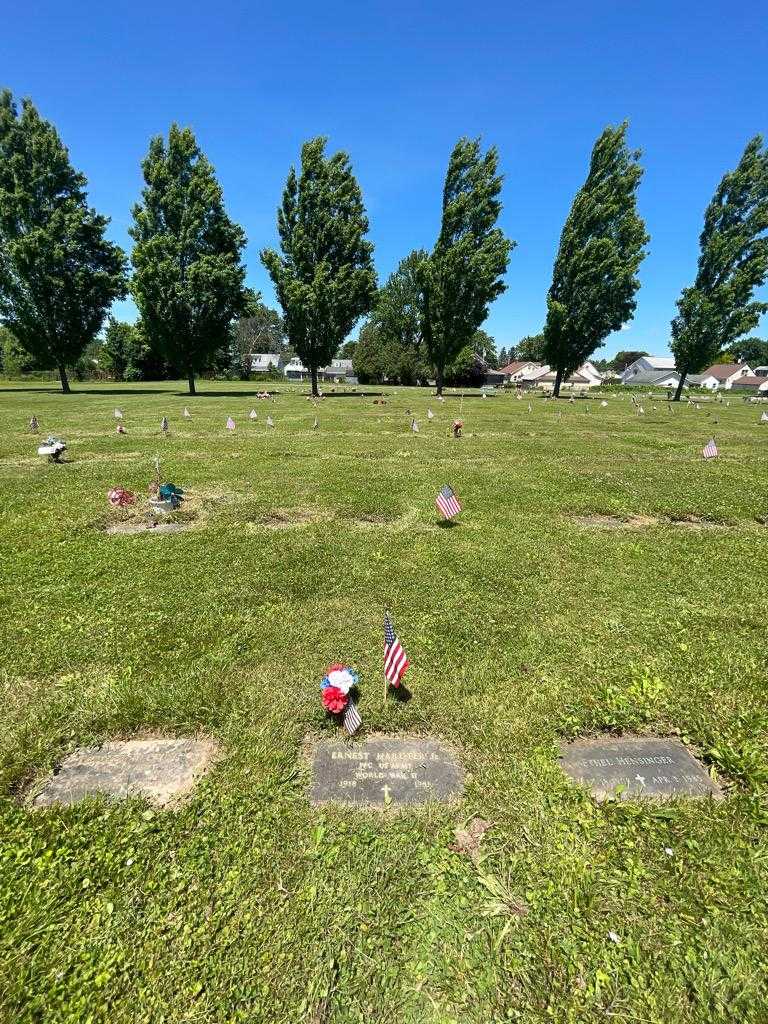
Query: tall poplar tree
point(594, 281)
point(189, 281)
point(325, 279)
point(463, 274)
point(58, 273)
point(733, 261)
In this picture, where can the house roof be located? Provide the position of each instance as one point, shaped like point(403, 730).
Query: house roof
point(658, 362)
point(575, 378)
point(652, 376)
point(515, 367)
point(722, 371)
point(749, 381)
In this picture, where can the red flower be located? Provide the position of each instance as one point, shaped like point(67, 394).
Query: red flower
point(333, 699)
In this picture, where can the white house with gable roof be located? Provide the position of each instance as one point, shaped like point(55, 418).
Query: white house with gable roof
point(646, 365)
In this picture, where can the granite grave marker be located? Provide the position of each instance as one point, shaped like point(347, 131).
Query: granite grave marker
point(645, 768)
point(163, 770)
point(383, 772)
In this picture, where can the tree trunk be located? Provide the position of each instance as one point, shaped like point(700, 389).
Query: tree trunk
point(313, 375)
point(558, 382)
point(64, 379)
point(191, 379)
point(680, 387)
point(439, 379)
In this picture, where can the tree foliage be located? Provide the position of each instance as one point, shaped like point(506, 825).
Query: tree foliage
point(531, 348)
point(392, 349)
point(753, 351)
point(464, 272)
point(625, 358)
point(58, 272)
point(594, 281)
point(260, 329)
point(189, 279)
point(733, 261)
point(325, 278)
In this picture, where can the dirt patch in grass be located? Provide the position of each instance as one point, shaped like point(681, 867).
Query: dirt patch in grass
point(602, 521)
point(133, 526)
point(695, 522)
point(288, 518)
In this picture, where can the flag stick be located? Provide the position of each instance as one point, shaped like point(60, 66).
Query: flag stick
point(386, 613)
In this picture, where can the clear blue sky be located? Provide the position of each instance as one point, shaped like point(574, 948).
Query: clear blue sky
point(395, 84)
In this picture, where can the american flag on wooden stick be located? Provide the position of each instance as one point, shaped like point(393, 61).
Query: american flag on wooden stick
point(710, 449)
point(395, 659)
point(352, 719)
point(447, 502)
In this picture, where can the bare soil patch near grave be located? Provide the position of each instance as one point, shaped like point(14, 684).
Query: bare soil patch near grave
point(606, 521)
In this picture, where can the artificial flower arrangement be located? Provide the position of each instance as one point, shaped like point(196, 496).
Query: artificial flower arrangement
point(120, 497)
point(53, 447)
point(336, 693)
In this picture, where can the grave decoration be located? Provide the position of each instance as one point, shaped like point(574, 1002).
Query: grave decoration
point(187, 413)
point(395, 659)
point(447, 503)
point(458, 426)
point(53, 448)
point(270, 421)
point(230, 423)
point(119, 497)
point(430, 414)
point(34, 426)
point(164, 424)
point(118, 414)
point(164, 497)
point(253, 415)
point(315, 425)
point(121, 429)
point(337, 690)
point(414, 426)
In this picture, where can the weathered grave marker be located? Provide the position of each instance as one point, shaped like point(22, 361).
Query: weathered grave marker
point(383, 772)
point(163, 770)
point(645, 768)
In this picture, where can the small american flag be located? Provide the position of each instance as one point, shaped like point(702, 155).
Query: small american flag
point(710, 449)
point(269, 422)
point(447, 502)
point(187, 413)
point(118, 414)
point(315, 425)
point(395, 659)
point(430, 414)
point(352, 719)
point(253, 415)
point(230, 423)
point(764, 418)
point(414, 426)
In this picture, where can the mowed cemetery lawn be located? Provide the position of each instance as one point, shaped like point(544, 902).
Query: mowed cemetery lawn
point(524, 625)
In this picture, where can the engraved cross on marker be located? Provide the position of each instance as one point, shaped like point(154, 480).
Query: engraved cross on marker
point(386, 791)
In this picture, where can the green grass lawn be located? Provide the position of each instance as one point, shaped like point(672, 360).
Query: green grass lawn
point(522, 625)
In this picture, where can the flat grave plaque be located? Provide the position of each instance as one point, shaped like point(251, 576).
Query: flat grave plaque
point(163, 770)
point(650, 768)
point(382, 772)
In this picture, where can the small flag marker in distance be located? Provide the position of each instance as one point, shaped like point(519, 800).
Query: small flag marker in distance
point(447, 502)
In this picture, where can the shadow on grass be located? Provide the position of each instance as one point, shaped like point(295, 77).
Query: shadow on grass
point(401, 693)
point(446, 524)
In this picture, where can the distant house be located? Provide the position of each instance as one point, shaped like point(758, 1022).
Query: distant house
point(339, 370)
point(751, 382)
point(647, 364)
point(494, 378)
point(263, 362)
point(721, 376)
point(653, 379)
point(533, 375)
point(516, 371)
point(761, 371)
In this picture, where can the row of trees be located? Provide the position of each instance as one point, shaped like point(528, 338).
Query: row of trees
point(59, 274)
